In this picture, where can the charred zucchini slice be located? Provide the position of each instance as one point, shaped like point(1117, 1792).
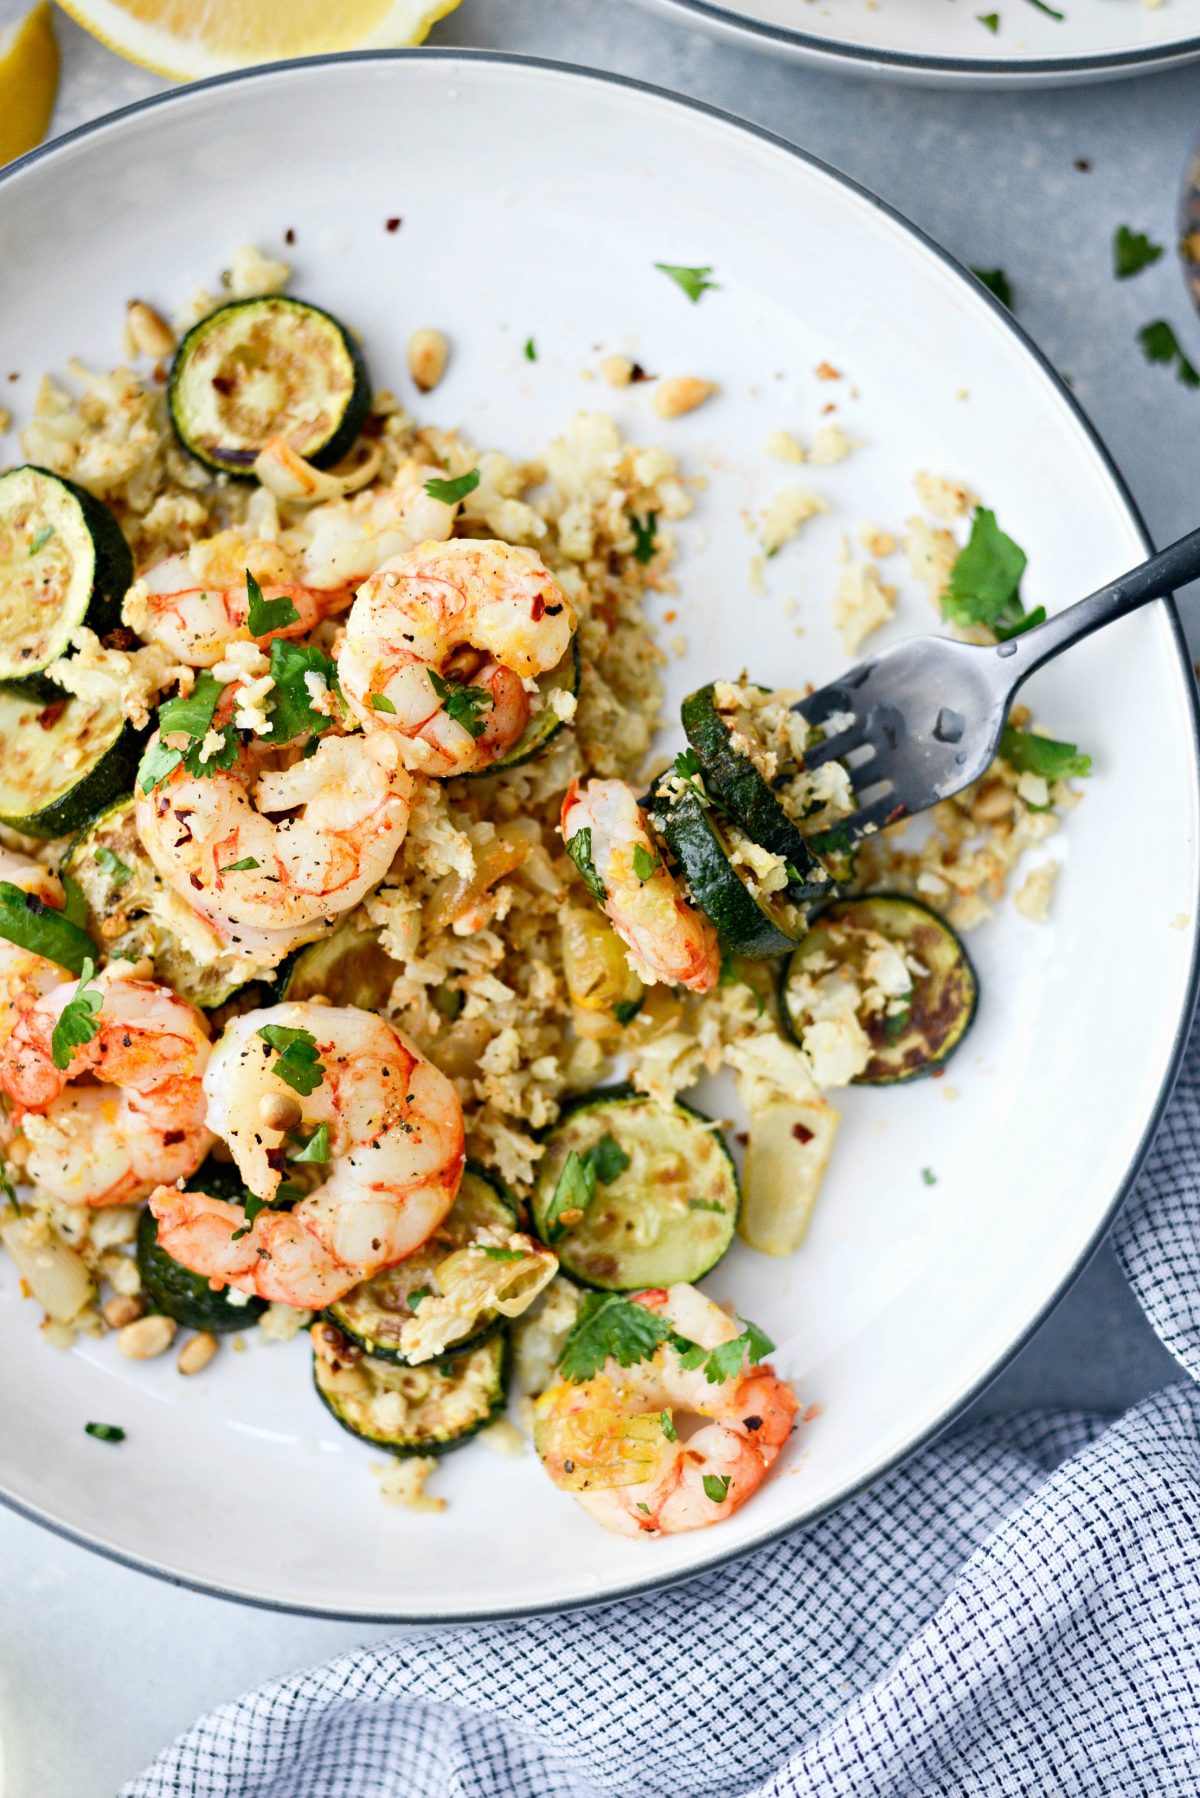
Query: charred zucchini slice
point(747, 796)
point(726, 872)
point(424, 1410)
point(630, 1193)
point(132, 912)
point(919, 1028)
point(374, 1313)
point(63, 563)
point(63, 761)
point(545, 723)
point(262, 368)
point(347, 968)
point(178, 1292)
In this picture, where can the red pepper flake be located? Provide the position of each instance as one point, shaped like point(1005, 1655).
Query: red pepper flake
point(670, 617)
point(937, 1073)
point(120, 637)
point(825, 371)
point(49, 715)
point(392, 224)
point(825, 410)
point(537, 607)
point(802, 1133)
point(741, 1137)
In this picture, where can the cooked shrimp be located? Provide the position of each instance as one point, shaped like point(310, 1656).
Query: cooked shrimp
point(24, 976)
point(349, 539)
point(395, 1158)
point(214, 840)
point(87, 1146)
point(194, 603)
point(439, 644)
point(642, 899)
point(620, 1442)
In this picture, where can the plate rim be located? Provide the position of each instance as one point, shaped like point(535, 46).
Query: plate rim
point(852, 58)
point(178, 96)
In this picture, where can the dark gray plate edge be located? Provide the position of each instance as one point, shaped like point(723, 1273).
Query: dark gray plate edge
point(654, 1583)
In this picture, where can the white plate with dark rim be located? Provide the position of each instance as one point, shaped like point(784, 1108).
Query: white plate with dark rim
point(946, 43)
point(535, 200)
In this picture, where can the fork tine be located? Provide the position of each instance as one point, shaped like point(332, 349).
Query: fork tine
point(825, 703)
point(833, 748)
point(870, 818)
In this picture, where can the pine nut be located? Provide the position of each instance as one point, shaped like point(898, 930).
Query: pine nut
point(148, 1337)
point(197, 1352)
point(992, 803)
point(681, 393)
point(278, 1112)
point(119, 1311)
point(148, 332)
point(428, 353)
point(617, 370)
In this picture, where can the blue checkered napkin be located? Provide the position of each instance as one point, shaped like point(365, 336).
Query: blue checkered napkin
point(1016, 1611)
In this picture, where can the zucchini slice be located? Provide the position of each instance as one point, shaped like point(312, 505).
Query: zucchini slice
point(63, 760)
point(174, 1289)
point(131, 910)
point(920, 1027)
point(747, 795)
point(665, 1197)
point(718, 860)
point(414, 1410)
point(63, 563)
point(545, 723)
point(348, 968)
point(262, 368)
point(374, 1313)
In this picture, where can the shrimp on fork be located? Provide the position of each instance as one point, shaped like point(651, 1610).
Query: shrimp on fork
point(395, 1138)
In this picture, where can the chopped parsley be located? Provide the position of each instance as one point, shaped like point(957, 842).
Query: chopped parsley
point(1030, 754)
point(191, 718)
point(314, 1148)
point(625, 1010)
point(985, 581)
point(291, 706)
point(104, 1432)
point(668, 1426)
point(688, 764)
point(996, 281)
point(576, 1185)
point(645, 534)
point(31, 924)
point(1048, 10)
point(579, 848)
point(118, 871)
point(502, 1254)
point(731, 975)
point(1160, 344)
point(706, 1205)
point(725, 1361)
point(381, 703)
point(990, 20)
point(417, 1294)
point(450, 492)
point(929, 1177)
point(253, 1205)
point(78, 1021)
point(8, 1191)
point(611, 1327)
point(693, 281)
point(530, 350)
point(608, 1158)
point(644, 863)
point(716, 1487)
point(1132, 252)
point(247, 864)
point(266, 615)
point(41, 539)
point(465, 705)
point(299, 1065)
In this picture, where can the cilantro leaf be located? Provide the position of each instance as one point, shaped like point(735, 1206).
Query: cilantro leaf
point(502, 1254)
point(315, 1148)
point(608, 1159)
point(104, 1432)
point(693, 281)
point(530, 350)
point(688, 764)
point(291, 704)
point(610, 1327)
point(192, 718)
point(625, 1010)
point(995, 279)
point(417, 1294)
point(573, 1192)
point(1132, 252)
point(579, 848)
point(644, 863)
point(118, 871)
point(645, 531)
point(725, 1361)
point(450, 492)
point(299, 1065)
point(1004, 632)
point(464, 704)
point(929, 1177)
point(266, 615)
point(381, 703)
point(985, 581)
point(716, 1487)
point(668, 1426)
point(77, 1022)
point(253, 1205)
point(1030, 754)
point(1160, 344)
point(31, 924)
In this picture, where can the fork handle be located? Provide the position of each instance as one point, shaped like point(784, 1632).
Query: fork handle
point(1172, 567)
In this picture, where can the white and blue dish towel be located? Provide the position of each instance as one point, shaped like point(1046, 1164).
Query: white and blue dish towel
point(1016, 1611)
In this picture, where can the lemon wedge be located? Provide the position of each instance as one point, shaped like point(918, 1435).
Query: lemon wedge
point(28, 82)
point(186, 38)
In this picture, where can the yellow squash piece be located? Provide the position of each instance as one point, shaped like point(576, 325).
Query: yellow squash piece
point(187, 38)
point(28, 82)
